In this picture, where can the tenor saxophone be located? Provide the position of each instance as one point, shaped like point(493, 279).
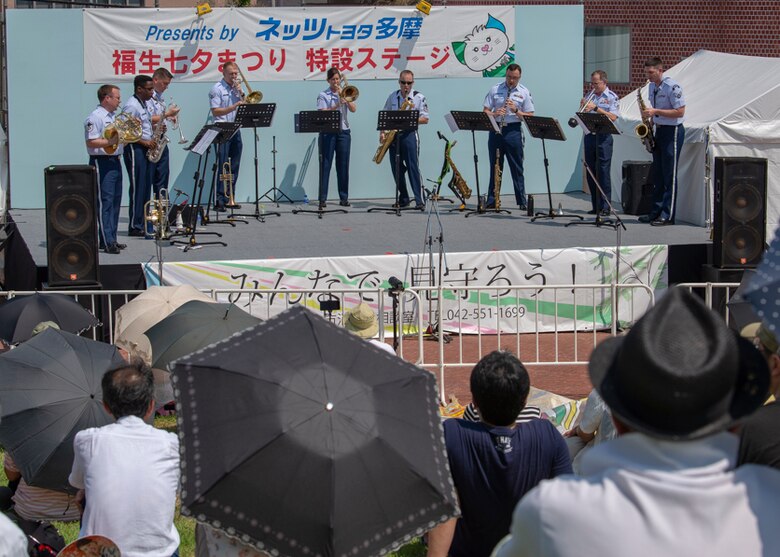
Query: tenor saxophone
point(457, 183)
point(390, 136)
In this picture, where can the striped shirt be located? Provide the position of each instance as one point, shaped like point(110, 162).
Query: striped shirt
point(527, 414)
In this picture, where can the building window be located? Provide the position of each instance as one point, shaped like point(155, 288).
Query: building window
point(608, 49)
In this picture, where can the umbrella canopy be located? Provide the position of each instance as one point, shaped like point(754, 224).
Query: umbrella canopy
point(49, 391)
point(764, 290)
point(302, 439)
point(146, 310)
point(19, 315)
point(193, 326)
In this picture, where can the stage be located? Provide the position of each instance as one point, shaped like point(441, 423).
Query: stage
point(360, 233)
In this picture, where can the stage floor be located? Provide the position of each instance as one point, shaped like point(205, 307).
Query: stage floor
point(359, 232)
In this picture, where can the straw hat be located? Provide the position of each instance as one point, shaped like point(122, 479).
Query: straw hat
point(361, 320)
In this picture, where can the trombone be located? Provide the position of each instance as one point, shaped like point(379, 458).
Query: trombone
point(573, 121)
point(251, 97)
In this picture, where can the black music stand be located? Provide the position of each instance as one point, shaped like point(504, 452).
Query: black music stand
point(475, 121)
point(318, 121)
point(201, 145)
point(542, 127)
point(259, 115)
point(400, 121)
point(595, 123)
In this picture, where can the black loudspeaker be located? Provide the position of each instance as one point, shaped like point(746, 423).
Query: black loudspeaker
point(739, 230)
point(637, 187)
point(71, 225)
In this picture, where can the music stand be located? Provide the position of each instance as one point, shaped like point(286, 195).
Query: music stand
point(318, 121)
point(596, 123)
point(200, 145)
point(542, 127)
point(475, 121)
point(400, 121)
point(255, 116)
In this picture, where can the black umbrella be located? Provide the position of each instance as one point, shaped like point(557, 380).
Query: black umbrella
point(20, 315)
point(49, 391)
point(764, 290)
point(303, 439)
point(193, 326)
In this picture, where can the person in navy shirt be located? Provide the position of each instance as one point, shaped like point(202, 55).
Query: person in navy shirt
point(507, 102)
point(496, 461)
point(667, 110)
point(408, 141)
point(338, 144)
point(598, 147)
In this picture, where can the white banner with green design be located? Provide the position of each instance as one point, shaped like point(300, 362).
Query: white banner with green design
point(482, 292)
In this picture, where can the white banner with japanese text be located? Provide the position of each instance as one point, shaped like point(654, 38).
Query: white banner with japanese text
point(291, 44)
point(510, 302)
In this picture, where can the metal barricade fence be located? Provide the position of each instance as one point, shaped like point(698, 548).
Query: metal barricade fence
point(716, 295)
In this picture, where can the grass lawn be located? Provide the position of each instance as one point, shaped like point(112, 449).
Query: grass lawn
point(186, 526)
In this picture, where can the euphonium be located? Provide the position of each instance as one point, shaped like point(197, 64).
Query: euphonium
point(348, 92)
point(127, 126)
point(390, 135)
point(227, 180)
point(251, 97)
point(156, 214)
point(644, 130)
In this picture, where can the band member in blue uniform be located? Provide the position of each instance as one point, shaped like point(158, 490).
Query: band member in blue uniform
point(161, 79)
point(225, 97)
point(335, 143)
point(667, 109)
point(507, 102)
point(598, 147)
point(408, 141)
point(139, 169)
point(109, 169)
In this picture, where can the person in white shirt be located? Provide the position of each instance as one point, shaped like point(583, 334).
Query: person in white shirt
point(668, 484)
point(128, 472)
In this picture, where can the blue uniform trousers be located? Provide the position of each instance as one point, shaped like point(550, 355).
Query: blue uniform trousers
point(229, 150)
point(668, 145)
point(109, 198)
point(510, 145)
point(598, 155)
point(337, 144)
point(160, 173)
point(139, 170)
point(409, 147)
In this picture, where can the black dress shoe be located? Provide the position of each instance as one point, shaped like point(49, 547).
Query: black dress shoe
point(592, 212)
point(490, 206)
point(647, 218)
point(112, 249)
point(420, 206)
point(345, 203)
point(121, 246)
point(401, 204)
point(136, 232)
point(219, 208)
point(523, 207)
point(604, 212)
point(661, 222)
point(322, 205)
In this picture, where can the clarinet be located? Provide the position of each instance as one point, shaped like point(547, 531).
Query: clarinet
point(497, 171)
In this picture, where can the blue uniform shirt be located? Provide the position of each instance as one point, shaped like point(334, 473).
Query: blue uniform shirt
point(330, 99)
point(95, 125)
point(223, 95)
point(156, 104)
point(520, 95)
point(607, 100)
point(395, 100)
point(136, 108)
point(668, 95)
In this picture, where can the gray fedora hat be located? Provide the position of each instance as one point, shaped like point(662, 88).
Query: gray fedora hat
point(680, 373)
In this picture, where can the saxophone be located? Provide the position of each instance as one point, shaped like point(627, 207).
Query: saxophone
point(457, 183)
point(390, 136)
point(159, 138)
point(644, 130)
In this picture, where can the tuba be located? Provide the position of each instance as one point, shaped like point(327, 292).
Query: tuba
point(156, 214)
point(390, 136)
point(251, 97)
point(348, 92)
point(127, 127)
point(644, 130)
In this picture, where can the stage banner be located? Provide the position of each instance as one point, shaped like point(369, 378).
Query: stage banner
point(291, 44)
point(511, 300)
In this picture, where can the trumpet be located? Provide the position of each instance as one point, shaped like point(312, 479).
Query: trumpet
point(227, 180)
point(348, 92)
point(175, 125)
point(251, 97)
point(573, 121)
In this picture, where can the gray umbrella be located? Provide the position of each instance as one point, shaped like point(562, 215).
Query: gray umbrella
point(764, 291)
point(302, 439)
point(49, 391)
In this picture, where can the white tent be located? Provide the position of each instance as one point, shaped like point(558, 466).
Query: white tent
point(732, 110)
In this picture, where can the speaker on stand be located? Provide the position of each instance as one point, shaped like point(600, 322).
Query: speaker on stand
point(71, 226)
point(739, 224)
